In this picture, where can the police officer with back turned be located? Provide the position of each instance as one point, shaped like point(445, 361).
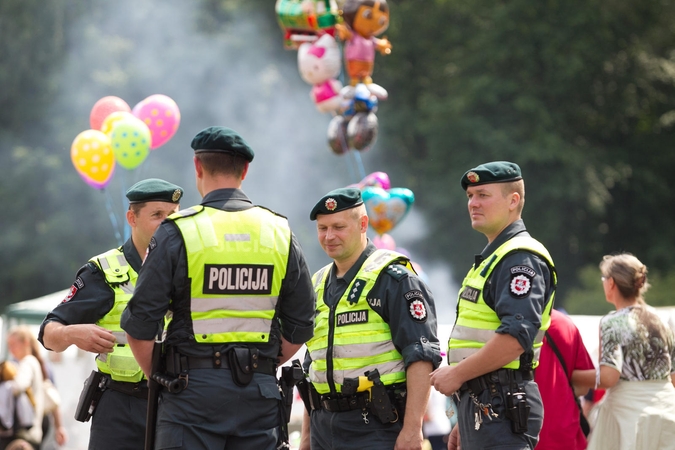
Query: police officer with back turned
point(89, 317)
point(234, 280)
point(502, 313)
point(375, 342)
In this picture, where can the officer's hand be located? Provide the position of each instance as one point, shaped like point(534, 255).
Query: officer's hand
point(454, 442)
point(410, 438)
point(91, 338)
point(443, 380)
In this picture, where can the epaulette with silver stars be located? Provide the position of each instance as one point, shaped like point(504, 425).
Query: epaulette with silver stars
point(396, 271)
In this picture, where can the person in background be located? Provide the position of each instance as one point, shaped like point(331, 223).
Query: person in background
point(375, 318)
point(89, 317)
point(502, 313)
point(562, 355)
point(637, 351)
point(29, 378)
point(235, 280)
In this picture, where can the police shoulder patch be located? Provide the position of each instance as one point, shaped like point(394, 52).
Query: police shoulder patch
point(416, 305)
point(521, 281)
point(397, 271)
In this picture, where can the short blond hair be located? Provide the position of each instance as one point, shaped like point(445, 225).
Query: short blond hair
point(517, 186)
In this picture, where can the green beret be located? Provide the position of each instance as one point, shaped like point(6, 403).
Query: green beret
point(336, 201)
point(154, 190)
point(222, 139)
point(492, 172)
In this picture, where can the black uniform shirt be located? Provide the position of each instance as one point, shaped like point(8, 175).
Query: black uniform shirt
point(163, 285)
point(405, 303)
point(90, 297)
point(518, 306)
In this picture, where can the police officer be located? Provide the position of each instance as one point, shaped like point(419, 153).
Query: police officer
point(235, 281)
point(89, 317)
point(375, 342)
point(502, 313)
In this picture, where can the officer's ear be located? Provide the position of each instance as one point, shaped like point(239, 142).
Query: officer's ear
point(244, 172)
point(131, 218)
point(364, 223)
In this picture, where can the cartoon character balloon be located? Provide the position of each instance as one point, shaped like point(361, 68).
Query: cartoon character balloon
point(386, 209)
point(93, 158)
point(162, 116)
point(375, 179)
point(337, 135)
point(319, 65)
point(362, 131)
point(364, 20)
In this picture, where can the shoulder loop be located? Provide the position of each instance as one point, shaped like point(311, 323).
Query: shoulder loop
point(397, 269)
point(186, 212)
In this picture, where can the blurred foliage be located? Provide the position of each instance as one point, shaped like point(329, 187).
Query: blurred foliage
point(589, 297)
point(580, 94)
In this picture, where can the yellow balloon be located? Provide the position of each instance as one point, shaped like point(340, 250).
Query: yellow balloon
point(93, 158)
point(113, 119)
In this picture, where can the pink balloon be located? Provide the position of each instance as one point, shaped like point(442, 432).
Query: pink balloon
point(385, 242)
point(103, 108)
point(376, 179)
point(162, 116)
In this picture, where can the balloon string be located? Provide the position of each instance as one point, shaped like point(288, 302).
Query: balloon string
point(111, 215)
point(359, 164)
point(125, 205)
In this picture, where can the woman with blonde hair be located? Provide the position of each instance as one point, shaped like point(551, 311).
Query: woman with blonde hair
point(637, 351)
point(29, 378)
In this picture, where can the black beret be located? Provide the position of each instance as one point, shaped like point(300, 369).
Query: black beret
point(336, 201)
point(492, 172)
point(222, 139)
point(154, 190)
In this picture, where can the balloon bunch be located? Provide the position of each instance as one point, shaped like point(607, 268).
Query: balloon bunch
point(310, 26)
point(121, 135)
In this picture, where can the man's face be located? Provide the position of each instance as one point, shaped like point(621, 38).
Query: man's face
point(149, 218)
point(488, 208)
point(340, 233)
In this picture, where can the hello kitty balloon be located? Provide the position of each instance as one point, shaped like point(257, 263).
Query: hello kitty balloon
point(319, 64)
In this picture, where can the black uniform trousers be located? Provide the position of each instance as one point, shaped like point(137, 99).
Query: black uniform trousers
point(347, 430)
point(496, 433)
point(118, 422)
point(213, 413)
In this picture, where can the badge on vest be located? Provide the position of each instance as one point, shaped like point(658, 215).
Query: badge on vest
point(416, 305)
point(351, 318)
point(470, 294)
point(231, 279)
point(521, 280)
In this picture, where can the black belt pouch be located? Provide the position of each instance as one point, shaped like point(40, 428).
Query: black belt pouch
point(240, 366)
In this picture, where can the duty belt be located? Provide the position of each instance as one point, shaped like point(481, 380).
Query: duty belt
point(344, 402)
point(500, 376)
point(261, 365)
point(138, 390)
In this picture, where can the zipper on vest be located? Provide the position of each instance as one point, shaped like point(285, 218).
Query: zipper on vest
point(329, 349)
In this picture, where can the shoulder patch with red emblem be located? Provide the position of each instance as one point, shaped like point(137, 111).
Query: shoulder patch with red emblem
point(77, 285)
point(521, 281)
point(416, 305)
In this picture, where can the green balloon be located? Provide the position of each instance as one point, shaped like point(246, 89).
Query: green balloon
point(130, 140)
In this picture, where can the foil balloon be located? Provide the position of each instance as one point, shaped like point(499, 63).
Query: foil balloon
point(93, 158)
point(162, 117)
point(384, 242)
point(375, 179)
point(319, 65)
point(114, 118)
point(362, 131)
point(130, 140)
point(386, 209)
point(337, 135)
point(103, 108)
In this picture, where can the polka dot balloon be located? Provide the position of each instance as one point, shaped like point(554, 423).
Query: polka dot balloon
point(93, 158)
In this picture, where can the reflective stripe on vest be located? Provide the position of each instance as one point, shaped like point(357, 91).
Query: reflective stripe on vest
point(236, 263)
point(351, 349)
point(121, 277)
point(476, 321)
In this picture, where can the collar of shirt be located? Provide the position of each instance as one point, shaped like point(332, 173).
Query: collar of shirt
point(228, 199)
point(351, 273)
point(131, 255)
point(517, 227)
